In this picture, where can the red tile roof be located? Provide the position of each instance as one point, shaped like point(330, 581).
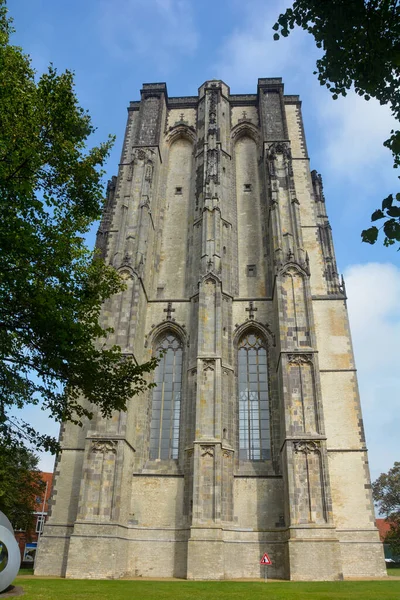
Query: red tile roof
point(383, 527)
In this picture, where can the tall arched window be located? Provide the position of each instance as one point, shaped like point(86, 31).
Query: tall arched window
point(166, 401)
point(254, 420)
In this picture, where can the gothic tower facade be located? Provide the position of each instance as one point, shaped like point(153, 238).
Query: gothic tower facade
point(252, 440)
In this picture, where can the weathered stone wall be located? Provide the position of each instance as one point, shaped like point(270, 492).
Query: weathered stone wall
point(252, 274)
point(148, 506)
point(174, 248)
point(220, 230)
point(258, 503)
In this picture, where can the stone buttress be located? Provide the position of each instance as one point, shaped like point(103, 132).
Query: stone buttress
point(252, 439)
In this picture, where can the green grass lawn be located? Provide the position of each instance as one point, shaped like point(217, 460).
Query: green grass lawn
point(25, 571)
point(394, 572)
point(62, 589)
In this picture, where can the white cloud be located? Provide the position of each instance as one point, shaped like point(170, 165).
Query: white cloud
point(374, 309)
point(250, 52)
point(374, 290)
point(153, 30)
point(351, 131)
point(354, 132)
point(344, 137)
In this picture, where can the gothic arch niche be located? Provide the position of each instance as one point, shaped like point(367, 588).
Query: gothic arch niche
point(245, 129)
point(253, 394)
point(120, 304)
point(303, 393)
point(295, 309)
point(249, 218)
point(309, 483)
point(166, 397)
point(175, 221)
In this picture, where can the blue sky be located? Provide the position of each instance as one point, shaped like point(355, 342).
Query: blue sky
point(113, 46)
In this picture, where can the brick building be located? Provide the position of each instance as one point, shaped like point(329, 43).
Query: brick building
point(252, 441)
point(27, 538)
point(384, 527)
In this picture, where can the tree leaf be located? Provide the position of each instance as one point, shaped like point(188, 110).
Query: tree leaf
point(392, 229)
point(394, 211)
point(55, 347)
point(377, 214)
point(387, 202)
point(370, 235)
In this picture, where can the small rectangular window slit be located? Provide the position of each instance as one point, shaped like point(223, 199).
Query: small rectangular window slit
point(178, 191)
point(251, 270)
point(247, 187)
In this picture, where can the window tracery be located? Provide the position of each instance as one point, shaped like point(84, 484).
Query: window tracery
point(166, 399)
point(254, 416)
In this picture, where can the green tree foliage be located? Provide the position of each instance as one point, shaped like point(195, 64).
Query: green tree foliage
point(360, 40)
point(386, 492)
point(53, 349)
point(20, 484)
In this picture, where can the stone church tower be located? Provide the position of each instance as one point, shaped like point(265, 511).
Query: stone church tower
point(252, 440)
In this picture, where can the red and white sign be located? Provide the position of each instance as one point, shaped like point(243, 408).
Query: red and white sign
point(265, 560)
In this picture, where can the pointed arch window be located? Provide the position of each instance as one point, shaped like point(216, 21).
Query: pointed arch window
point(254, 417)
point(166, 399)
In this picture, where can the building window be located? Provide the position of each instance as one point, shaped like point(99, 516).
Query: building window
point(254, 418)
point(166, 399)
point(39, 523)
point(178, 191)
point(247, 187)
point(251, 270)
